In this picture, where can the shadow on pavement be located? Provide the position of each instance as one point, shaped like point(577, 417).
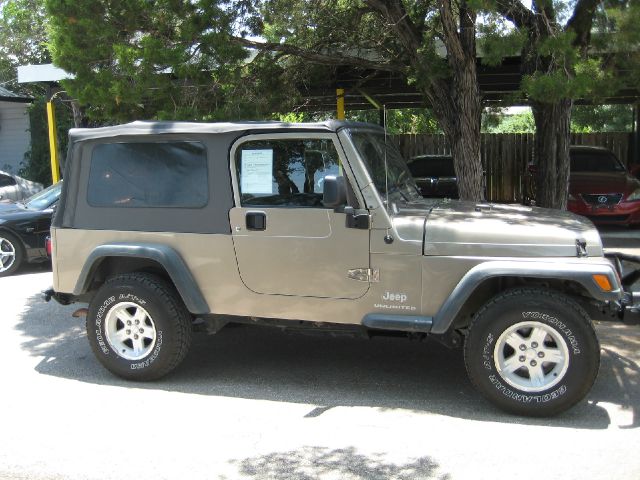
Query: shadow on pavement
point(29, 268)
point(267, 364)
point(312, 462)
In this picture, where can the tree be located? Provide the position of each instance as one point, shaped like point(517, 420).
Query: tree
point(22, 40)
point(405, 38)
point(559, 67)
point(602, 118)
point(181, 59)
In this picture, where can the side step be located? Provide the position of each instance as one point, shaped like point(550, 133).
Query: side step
point(403, 323)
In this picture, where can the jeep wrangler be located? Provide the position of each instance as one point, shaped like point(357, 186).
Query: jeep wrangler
point(166, 227)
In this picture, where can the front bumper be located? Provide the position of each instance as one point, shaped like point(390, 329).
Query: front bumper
point(623, 213)
point(628, 268)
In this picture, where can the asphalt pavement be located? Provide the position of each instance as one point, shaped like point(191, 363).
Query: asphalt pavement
point(258, 403)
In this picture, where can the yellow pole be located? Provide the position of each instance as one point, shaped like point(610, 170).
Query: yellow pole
point(53, 142)
point(340, 103)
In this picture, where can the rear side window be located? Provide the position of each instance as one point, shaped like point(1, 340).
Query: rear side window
point(158, 174)
point(6, 181)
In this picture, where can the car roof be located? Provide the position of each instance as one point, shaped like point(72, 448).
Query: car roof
point(588, 148)
point(153, 127)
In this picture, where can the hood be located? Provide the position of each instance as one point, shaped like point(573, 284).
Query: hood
point(469, 229)
point(11, 212)
point(602, 182)
point(11, 208)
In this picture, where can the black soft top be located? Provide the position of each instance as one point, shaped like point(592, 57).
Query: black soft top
point(161, 128)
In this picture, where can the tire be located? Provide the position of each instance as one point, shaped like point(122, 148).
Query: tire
point(11, 254)
point(532, 352)
point(160, 333)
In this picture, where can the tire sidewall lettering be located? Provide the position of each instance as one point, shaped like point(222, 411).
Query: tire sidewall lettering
point(152, 357)
point(559, 325)
point(487, 352)
point(526, 397)
point(104, 308)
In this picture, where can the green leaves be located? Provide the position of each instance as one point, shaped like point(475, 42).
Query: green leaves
point(145, 59)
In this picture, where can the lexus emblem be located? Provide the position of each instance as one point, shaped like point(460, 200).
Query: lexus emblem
point(602, 199)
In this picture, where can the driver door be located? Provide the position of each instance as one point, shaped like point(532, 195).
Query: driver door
point(286, 241)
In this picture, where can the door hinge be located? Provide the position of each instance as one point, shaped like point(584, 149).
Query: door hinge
point(369, 275)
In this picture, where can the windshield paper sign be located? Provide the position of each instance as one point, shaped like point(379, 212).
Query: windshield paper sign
point(257, 168)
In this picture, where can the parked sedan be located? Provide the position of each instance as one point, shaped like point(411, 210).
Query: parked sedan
point(24, 228)
point(15, 188)
point(434, 175)
point(601, 188)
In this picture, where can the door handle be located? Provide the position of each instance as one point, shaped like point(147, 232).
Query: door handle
point(256, 221)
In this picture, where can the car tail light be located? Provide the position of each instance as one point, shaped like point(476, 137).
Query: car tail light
point(47, 245)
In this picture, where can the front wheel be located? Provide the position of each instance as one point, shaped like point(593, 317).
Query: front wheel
point(532, 352)
point(138, 327)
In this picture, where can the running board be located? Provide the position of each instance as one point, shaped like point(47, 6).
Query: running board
point(403, 323)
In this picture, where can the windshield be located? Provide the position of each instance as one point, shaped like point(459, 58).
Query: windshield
point(595, 162)
point(44, 198)
point(387, 168)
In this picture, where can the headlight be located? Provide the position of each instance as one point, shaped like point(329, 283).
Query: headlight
point(634, 196)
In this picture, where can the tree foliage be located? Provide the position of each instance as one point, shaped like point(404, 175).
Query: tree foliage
point(37, 163)
point(221, 59)
point(23, 40)
point(582, 49)
point(602, 118)
point(186, 59)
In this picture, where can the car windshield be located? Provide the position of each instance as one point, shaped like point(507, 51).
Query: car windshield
point(385, 164)
point(44, 198)
point(595, 162)
point(432, 166)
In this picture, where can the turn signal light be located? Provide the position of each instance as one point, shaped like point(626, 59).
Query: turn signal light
point(603, 282)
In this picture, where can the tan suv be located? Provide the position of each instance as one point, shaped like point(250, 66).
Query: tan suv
point(162, 226)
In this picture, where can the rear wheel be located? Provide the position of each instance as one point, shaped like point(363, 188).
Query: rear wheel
point(532, 352)
point(11, 254)
point(138, 327)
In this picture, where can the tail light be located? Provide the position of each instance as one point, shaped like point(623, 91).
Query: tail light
point(47, 245)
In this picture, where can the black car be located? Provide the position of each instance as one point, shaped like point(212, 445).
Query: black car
point(24, 228)
point(434, 175)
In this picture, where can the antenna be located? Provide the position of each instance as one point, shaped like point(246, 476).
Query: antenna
point(386, 170)
point(388, 239)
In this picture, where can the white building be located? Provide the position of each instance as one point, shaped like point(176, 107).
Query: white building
point(15, 137)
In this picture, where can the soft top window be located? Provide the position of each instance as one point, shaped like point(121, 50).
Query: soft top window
point(158, 174)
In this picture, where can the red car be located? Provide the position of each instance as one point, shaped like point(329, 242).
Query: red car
point(601, 189)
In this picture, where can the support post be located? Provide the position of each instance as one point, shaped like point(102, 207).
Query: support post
point(340, 103)
point(53, 142)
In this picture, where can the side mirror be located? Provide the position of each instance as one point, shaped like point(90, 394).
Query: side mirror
point(334, 191)
point(635, 170)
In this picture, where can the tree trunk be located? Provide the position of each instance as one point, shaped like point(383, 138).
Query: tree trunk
point(463, 133)
point(458, 103)
point(553, 134)
point(79, 119)
point(459, 113)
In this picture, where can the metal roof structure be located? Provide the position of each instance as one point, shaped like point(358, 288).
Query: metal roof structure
point(499, 85)
point(9, 96)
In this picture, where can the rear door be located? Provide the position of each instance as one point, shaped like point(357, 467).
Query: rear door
point(286, 241)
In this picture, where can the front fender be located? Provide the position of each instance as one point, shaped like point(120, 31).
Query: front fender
point(580, 273)
point(166, 256)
